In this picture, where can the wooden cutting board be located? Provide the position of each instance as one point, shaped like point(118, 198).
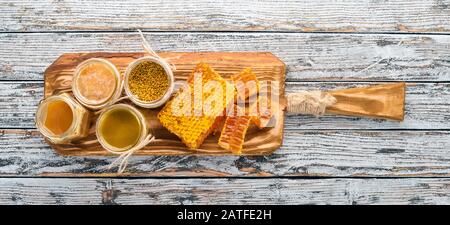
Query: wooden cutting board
point(266, 66)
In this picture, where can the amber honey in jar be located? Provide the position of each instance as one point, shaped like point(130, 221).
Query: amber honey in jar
point(61, 119)
point(96, 83)
point(121, 127)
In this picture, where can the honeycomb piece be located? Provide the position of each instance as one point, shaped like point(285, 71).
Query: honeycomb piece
point(261, 112)
point(246, 83)
point(217, 127)
point(233, 132)
point(189, 114)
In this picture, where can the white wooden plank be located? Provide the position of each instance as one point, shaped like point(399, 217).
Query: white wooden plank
point(426, 107)
point(304, 153)
point(224, 191)
point(317, 57)
point(208, 15)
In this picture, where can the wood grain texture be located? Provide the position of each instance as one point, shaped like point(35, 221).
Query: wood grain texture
point(266, 67)
point(416, 191)
point(353, 48)
point(427, 107)
point(207, 15)
point(304, 153)
point(385, 101)
point(308, 57)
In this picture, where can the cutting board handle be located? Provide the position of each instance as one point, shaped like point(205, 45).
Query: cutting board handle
point(385, 101)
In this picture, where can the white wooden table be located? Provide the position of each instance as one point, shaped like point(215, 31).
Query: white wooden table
point(326, 45)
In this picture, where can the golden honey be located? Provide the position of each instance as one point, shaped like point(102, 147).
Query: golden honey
point(120, 128)
point(233, 132)
point(59, 117)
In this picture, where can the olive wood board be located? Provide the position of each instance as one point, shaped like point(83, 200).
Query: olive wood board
point(266, 66)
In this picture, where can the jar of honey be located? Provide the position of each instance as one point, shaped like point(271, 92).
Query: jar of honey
point(96, 83)
point(61, 119)
point(121, 128)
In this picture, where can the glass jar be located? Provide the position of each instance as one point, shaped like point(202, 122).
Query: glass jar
point(53, 119)
point(165, 97)
point(96, 83)
point(143, 137)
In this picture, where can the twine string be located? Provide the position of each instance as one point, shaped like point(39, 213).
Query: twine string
point(149, 49)
point(309, 102)
point(124, 156)
point(122, 160)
